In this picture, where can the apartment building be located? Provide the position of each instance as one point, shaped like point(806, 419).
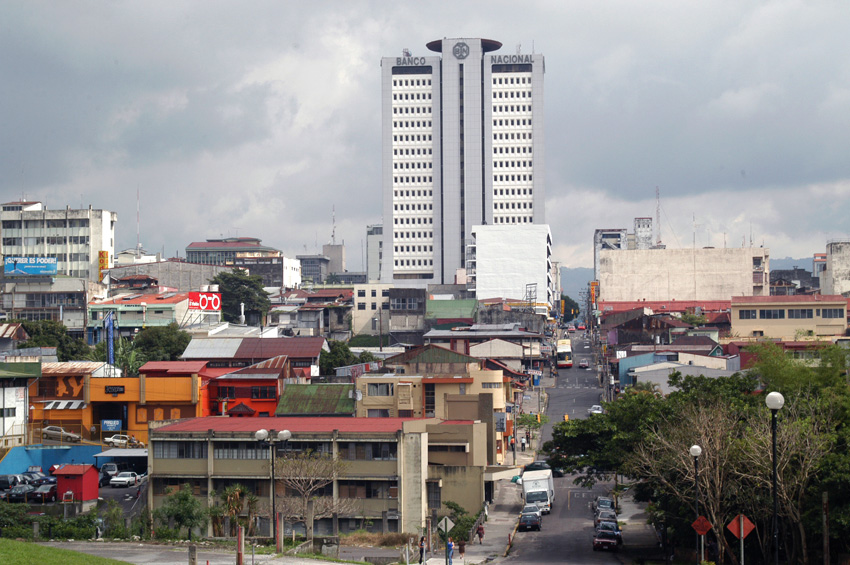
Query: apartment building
point(789, 318)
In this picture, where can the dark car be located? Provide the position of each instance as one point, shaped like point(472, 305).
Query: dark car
point(44, 493)
point(536, 466)
point(37, 478)
point(610, 526)
point(20, 493)
point(529, 522)
point(9, 481)
point(603, 503)
point(604, 540)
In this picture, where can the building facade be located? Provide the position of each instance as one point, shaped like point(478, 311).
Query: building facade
point(789, 318)
point(82, 242)
point(683, 274)
point(225, 251)
point(462, 136)
point(512, 262)
point(835, 276)
point(371, 312)
point(374, 251)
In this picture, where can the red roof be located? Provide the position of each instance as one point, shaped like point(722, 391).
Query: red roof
point(659, 306)
point(787, 298)
point(149, 299)
point(73, 470)
point(266, 348)
point(190, 367)
point(294, 425)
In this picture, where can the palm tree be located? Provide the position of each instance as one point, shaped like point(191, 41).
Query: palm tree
point(233, 498)
point(251, 503)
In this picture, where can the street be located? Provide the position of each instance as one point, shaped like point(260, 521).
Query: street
point(567, 533)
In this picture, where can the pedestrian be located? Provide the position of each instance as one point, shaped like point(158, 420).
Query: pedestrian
point(450, 550)
point(422, 549)
point(522, 442)
point(461, 548)
point(480, 533)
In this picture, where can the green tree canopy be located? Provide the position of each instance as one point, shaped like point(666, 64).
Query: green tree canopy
point(162, 343)
point(183, 507)
point(238, 287)
point(571, 308)
point(47, 333)
point(340, 355)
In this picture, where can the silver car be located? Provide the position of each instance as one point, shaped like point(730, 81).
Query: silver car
point(60, 434)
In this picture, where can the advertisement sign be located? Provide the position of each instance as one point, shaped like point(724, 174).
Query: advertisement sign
point(102, 263)
point(114, 390)
point(29, 266)
point(594, 291)
point(208, 301)
point(110, 425)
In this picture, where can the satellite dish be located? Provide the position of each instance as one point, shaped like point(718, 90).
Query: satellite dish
point(358, 395)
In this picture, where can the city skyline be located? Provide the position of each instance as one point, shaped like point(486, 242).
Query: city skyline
point(260, 123)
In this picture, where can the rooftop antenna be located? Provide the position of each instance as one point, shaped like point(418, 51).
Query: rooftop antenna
point(138, 239)
point(405, 52)
point(658, 216)
point(333, 223)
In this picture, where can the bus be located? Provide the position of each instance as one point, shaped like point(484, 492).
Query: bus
point(565, 353)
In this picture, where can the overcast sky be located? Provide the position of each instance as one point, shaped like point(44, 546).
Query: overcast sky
point(258, 118)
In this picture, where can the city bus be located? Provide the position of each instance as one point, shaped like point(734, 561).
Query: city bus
point(564, 353)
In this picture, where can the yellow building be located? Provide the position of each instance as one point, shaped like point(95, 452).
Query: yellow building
point(789, 318)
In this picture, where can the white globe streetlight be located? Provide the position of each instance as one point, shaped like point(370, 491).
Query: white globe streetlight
point(775, 401)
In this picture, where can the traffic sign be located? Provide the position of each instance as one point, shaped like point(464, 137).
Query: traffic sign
point(735, 526)
point(701, 525)
point(446, 524)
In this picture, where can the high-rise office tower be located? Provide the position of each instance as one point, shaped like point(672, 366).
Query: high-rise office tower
point(462, 146)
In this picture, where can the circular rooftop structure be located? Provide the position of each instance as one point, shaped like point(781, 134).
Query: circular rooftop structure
point(486, 44)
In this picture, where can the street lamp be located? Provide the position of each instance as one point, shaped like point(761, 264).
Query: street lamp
point(263, 437)
point(695, 452)
point(775, 401)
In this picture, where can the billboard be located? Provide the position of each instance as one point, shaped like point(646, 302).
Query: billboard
point(208, 301)
point(29, 266)
point(102, 263)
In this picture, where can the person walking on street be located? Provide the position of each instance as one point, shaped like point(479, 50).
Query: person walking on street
point(480, 533)
point(522, 442)
point(461, 548)
point(450, 550)
point(422, 549)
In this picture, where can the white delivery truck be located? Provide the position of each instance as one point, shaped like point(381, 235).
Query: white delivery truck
point(538, 488)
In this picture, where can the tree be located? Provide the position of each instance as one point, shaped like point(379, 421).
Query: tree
point(162, 343)
point(339, 356)
point(693, 319)
point(184, 508)
point(571, 308)
point(306, 474)
point(47, 333)
point(126, 357)
point(238, 287)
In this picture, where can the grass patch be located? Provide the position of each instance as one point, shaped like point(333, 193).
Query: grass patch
point(24, 553)
point(362, 538)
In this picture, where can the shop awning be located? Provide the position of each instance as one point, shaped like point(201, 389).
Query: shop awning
point(129, 452)
point(64, 404)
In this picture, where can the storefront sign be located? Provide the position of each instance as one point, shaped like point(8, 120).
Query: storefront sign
point(114, 390)
point(207, 301)
point(110, 425)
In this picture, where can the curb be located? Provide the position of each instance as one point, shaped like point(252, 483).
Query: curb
point(511, 540)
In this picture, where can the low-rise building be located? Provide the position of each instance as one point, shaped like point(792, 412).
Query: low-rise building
point(396, 472)
point(788, 318)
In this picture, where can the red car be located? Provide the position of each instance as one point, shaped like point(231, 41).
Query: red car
point(604, 539)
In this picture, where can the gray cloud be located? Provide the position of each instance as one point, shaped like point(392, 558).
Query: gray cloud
point(258, 120)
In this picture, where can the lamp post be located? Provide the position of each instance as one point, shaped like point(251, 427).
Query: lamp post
point(695, 452)
point(263, 437)
point(775, 401)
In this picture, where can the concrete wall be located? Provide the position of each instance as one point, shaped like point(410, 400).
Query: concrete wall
point(682, 274)
point(789, 329)
point(836, 278)
point(413, 496)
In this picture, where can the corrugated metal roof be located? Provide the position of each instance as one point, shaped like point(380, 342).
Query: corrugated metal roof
point(211, 348)
point(430, 354)
point(71, 367)
point(173, 367)
point(13, 331)
point(316, 399)
point(293, 424)
point(265, 348)
point(72, 470)
point(149, 299)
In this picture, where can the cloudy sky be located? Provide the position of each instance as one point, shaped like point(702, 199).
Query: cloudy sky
point(259, 118)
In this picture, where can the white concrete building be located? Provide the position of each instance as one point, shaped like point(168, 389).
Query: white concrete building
point(504, 260)
point(370, 314)
point(291, 273)
point(683, 274)
point(463, 146)
point(75, 238)
point(835, 277)
point(374, 252)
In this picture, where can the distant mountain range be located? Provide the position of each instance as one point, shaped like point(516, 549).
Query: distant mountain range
point(574, 280)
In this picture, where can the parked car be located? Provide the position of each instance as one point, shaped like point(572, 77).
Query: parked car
point(20, 493)
point(112, 469)
point(530, 522)
point(60, 434)
point(44, 493)
point(121, 440)
point(103, 479)
point(595, 409)
point(607, 515)
point(611, 526)
point(536, 466)
point(531, 509)
point(603, 540)
point(38, 478)
point(9, 481)
point(124, 479)
point(603, 503)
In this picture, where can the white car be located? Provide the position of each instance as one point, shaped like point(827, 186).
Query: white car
point(532, 509)
point(120, 440)
point(125, 479)
point(595, 409)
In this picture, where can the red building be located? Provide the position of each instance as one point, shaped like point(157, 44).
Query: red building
point(78, 479)
point(251, 391)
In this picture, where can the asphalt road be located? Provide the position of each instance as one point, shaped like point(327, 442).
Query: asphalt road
point(567, 533)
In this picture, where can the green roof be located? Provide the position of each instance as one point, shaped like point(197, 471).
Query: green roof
point(316, 400)
point(451, 308)
point(19, 370)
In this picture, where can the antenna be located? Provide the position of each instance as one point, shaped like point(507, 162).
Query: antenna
point(333, 223)
point(658, 216)
point(138, 240)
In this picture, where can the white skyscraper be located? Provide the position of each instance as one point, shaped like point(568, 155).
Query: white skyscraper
point(462, 146)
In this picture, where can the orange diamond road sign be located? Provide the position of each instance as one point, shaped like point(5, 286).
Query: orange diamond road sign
point(701, 525)
point(735, 525)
